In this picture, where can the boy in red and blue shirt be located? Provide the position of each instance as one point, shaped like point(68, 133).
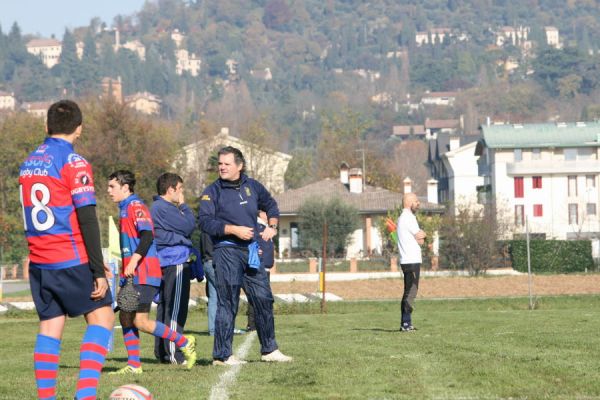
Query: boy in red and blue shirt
point(66, 269)
point(140, 261)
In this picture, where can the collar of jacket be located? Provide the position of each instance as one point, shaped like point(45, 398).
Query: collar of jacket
point(124, 203)
point(233, 184)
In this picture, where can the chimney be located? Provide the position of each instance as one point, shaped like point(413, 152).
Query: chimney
point(454, 143)
point(432, 191)
point(407, 184)
point(355, 177)
point(224, 131)
point(344, 173)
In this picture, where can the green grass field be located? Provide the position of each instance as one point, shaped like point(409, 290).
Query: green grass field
point(464, 349)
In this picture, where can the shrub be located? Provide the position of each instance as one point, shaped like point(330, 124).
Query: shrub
point(556, 256)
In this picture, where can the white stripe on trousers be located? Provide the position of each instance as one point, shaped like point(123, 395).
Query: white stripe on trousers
point(175, 310)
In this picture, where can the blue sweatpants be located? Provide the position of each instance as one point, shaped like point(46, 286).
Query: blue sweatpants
point(232, 273)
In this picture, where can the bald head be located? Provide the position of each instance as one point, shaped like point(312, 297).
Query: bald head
point(411, 201)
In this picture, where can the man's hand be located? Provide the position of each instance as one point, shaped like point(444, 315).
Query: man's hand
point(100, 288)
point(268, 234)
point(107, 271)
point(420, 236)
point(243, 232)
point(181, 198)
point(130, 268)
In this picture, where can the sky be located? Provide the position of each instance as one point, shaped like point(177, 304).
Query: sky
point(47, 17)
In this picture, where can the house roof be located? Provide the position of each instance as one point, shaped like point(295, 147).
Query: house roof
point(36, 105)
point(441, 145)
point(404, 130)
point(432, 95)
point(441, 123)
point(372, 200)
point(43, 43)
point(573, 134)
point(142, 95)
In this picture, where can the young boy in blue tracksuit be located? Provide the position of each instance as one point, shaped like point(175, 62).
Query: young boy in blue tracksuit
point(174, 223)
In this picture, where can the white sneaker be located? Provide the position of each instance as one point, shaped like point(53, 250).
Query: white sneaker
point(276, 356)
point(232, 360)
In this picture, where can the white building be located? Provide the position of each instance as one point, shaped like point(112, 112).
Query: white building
point(137, 47)
point(463, 175)
point(452, 163)
point(177, 37)
point(434, 35)
point(187, 62)
point(48, 50)
point(545, 173)
point(144, 102)
point(7, 101)
point(264, 164)
point(552, 38)
point(439, 98)
point(511, 35)
point(37, 108)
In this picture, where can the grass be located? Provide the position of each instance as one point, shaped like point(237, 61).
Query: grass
point(464, 349)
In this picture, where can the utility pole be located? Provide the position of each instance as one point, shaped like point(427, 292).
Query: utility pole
point(364, 165)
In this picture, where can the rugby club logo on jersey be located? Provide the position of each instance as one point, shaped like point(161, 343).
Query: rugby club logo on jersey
point(76, 160)
point(247, 191)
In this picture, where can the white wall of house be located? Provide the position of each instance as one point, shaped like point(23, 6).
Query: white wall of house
point(565, 185)
point(356, 248)
point(463, 176)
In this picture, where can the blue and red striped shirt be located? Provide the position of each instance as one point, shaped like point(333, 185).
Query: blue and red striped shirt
point(134, 217)
point(53, 182)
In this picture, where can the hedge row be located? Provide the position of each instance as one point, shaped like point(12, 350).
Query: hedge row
point(557, 256)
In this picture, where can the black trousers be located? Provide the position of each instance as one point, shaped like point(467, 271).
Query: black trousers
point(411, 286)
point(232, 273)
point(173, 310)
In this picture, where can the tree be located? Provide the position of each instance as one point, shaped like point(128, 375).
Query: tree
point(341, 220)
point(19, 133)
point(341, 135)
point(116, 137)
point(277, 14)
point(569, 85)
point(469, 239)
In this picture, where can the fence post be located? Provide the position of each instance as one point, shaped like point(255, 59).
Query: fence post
point(312, 265)
point(394, 264)
point(353, 265)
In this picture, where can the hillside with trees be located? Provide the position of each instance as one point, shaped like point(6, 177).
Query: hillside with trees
point(323, 78)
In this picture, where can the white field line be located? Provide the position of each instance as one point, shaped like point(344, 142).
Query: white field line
point(220, 390)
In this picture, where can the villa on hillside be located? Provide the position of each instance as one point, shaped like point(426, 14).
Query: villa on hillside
point(262, 163)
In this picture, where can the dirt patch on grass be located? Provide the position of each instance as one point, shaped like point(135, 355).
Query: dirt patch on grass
point(453, 287)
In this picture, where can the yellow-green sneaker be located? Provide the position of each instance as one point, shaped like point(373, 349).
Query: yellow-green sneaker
point(189, 352)
point(128, 369)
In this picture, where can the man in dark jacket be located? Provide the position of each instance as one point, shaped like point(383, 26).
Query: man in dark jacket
point(174, 223)
point(228, 210)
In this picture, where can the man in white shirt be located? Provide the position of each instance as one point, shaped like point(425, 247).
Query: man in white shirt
point(410, 239)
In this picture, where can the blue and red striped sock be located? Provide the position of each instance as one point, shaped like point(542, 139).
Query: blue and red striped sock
point(45, 365)
point(132, 344)
point(163, 331)
point(91, 359)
